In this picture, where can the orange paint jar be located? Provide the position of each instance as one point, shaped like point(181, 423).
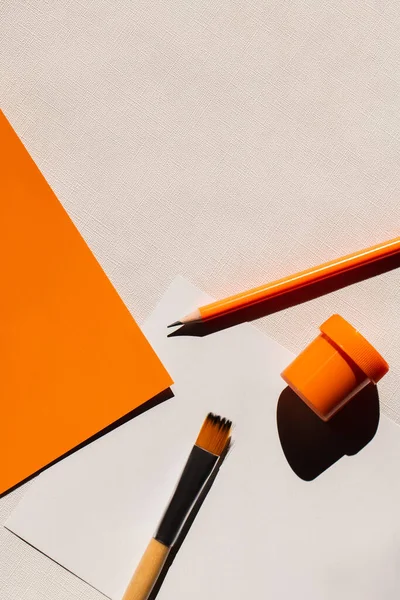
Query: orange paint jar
point(334, 367)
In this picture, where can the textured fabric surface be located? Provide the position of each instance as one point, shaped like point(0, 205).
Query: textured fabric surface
point(231, 142)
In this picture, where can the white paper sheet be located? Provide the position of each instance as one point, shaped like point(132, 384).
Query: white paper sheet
point(262, 532)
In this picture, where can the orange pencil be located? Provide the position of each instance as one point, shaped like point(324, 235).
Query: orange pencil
point(291, 283)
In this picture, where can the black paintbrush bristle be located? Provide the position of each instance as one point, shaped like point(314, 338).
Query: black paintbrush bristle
point(214, 434)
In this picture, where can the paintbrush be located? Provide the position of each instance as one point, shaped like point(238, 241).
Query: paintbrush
point(212, 440)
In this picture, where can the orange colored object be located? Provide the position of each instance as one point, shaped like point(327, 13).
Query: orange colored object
point(72, 358)
point(296, 281)
point(334, 367)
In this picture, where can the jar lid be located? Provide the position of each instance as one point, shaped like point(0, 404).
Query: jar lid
point(352, 343)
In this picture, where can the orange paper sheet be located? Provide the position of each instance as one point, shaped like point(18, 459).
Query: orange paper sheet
point(72, 358)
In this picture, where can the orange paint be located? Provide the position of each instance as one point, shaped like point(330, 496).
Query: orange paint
point(334, 367)
point(72, 358)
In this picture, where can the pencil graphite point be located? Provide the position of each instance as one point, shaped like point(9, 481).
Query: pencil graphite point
point(192, 317)
point(175, 323)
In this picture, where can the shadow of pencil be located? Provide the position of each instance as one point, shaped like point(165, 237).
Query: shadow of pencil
point(187, 525)
point(273, 305)
point(155, 401)
point(311, 445)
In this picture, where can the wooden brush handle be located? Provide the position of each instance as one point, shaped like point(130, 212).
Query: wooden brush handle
point(147, 571)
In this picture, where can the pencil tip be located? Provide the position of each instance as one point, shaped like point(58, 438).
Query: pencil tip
point(175, 323)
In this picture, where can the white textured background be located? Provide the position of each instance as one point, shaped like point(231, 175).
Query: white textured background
point(231, 142)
